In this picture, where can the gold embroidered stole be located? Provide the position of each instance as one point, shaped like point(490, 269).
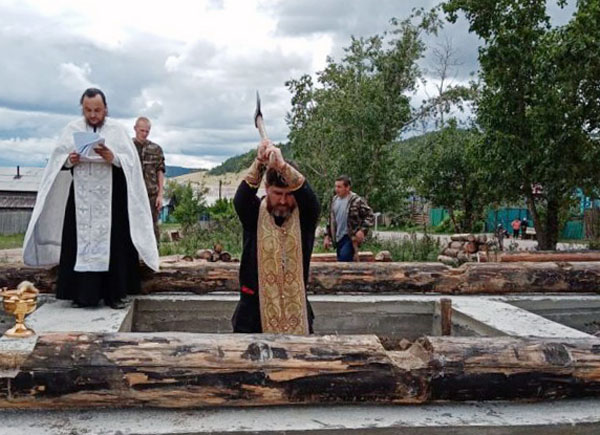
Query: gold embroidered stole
point(282, 293)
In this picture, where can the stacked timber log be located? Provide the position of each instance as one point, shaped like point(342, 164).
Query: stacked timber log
point(331, 257)
point(170, 370)
point(363, 257)
point(202, 277)
point(541, 256)
point(214, 255)
point(171, 236)
point(463, 248)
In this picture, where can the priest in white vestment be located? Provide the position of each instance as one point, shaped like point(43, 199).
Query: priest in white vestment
point(92, 215)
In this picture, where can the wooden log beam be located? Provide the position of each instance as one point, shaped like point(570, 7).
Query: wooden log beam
point(77, 370)
point(542, 256)
point(11, 274)
point(506, 368)
point(446, 316)
point(331, 257)
point(196, 277)
point(330, 278)
point(506, 278)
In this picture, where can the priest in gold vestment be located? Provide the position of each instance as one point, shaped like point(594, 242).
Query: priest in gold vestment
point(279, 233)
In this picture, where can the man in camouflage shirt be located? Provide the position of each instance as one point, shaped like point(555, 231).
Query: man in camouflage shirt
point(349, 221)
point(153, 167)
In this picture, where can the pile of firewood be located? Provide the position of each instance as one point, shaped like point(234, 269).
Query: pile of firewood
point(215, 254)
point(463, 248)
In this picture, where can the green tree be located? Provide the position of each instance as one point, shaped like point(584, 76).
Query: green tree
point(189, 203)
point(443, 168)
point(222, 207)
point(349, 121)
point(537, 119)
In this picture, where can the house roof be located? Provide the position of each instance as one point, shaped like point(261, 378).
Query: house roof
point(11, 201)
point(29, 180)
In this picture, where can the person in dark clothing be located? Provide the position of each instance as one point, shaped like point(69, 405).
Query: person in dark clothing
point(501, 233)
point(91, 189)
point(122, 277)
point(279, 233)
point(524, 225)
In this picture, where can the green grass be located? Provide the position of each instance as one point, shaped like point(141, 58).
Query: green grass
point(226, 231)
point(11, 241)
point(409, 248)
point(408, 228)
point(169, 226)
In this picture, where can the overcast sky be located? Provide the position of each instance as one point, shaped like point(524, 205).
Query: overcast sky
point(192, 67)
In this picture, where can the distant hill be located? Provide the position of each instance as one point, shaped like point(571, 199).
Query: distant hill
point(243, 161)
point(175, 171)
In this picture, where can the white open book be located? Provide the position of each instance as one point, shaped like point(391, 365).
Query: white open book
point(85, 142)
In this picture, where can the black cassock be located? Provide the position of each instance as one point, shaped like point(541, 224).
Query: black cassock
point(123, 275)
point(246, 317)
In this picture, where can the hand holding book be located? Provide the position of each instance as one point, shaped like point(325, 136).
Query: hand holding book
point(86, 146)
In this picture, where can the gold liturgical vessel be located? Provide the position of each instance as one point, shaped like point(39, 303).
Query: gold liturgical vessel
point(20, 303)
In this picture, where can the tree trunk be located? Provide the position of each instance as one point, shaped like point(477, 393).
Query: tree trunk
point(540, 229)
point(546, 230)
point(552, 228)
point(468, 219)
point(453, 219)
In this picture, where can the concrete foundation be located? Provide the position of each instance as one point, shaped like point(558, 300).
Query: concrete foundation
point(580, 314)
point(398, 318)
point(567, 417)
point(408, 316)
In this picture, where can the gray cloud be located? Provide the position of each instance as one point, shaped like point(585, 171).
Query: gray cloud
point(199, 96)
point(345, 17)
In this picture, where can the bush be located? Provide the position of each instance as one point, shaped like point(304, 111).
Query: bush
point(446, 226)
point(222, 208)
point(594, 244)
point(189, 203)
point(224, 230)
point(409, 248)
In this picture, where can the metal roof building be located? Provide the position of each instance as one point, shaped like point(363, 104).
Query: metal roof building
point(18, 191)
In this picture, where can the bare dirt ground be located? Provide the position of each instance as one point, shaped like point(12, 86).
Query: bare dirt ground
point(11, 255)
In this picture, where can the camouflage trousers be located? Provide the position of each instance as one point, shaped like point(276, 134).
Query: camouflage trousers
point(154, 212)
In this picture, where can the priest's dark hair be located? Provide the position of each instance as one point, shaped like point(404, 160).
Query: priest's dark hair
point(91, 93)
point(274, 178)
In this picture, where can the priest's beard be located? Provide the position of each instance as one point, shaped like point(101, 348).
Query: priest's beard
point(281, 211)
point(97, 126)
point(97, 121)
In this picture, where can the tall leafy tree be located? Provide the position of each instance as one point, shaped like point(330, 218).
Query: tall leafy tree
point(536, 106)
point(443, 168)
point(348, 121)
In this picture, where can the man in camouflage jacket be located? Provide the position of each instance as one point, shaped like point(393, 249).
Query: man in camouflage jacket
point(350, 218)
point(153, 167)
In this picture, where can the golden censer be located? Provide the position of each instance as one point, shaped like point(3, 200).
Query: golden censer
point(20, 303)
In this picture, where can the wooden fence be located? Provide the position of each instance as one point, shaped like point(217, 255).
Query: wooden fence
point(14, 221)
